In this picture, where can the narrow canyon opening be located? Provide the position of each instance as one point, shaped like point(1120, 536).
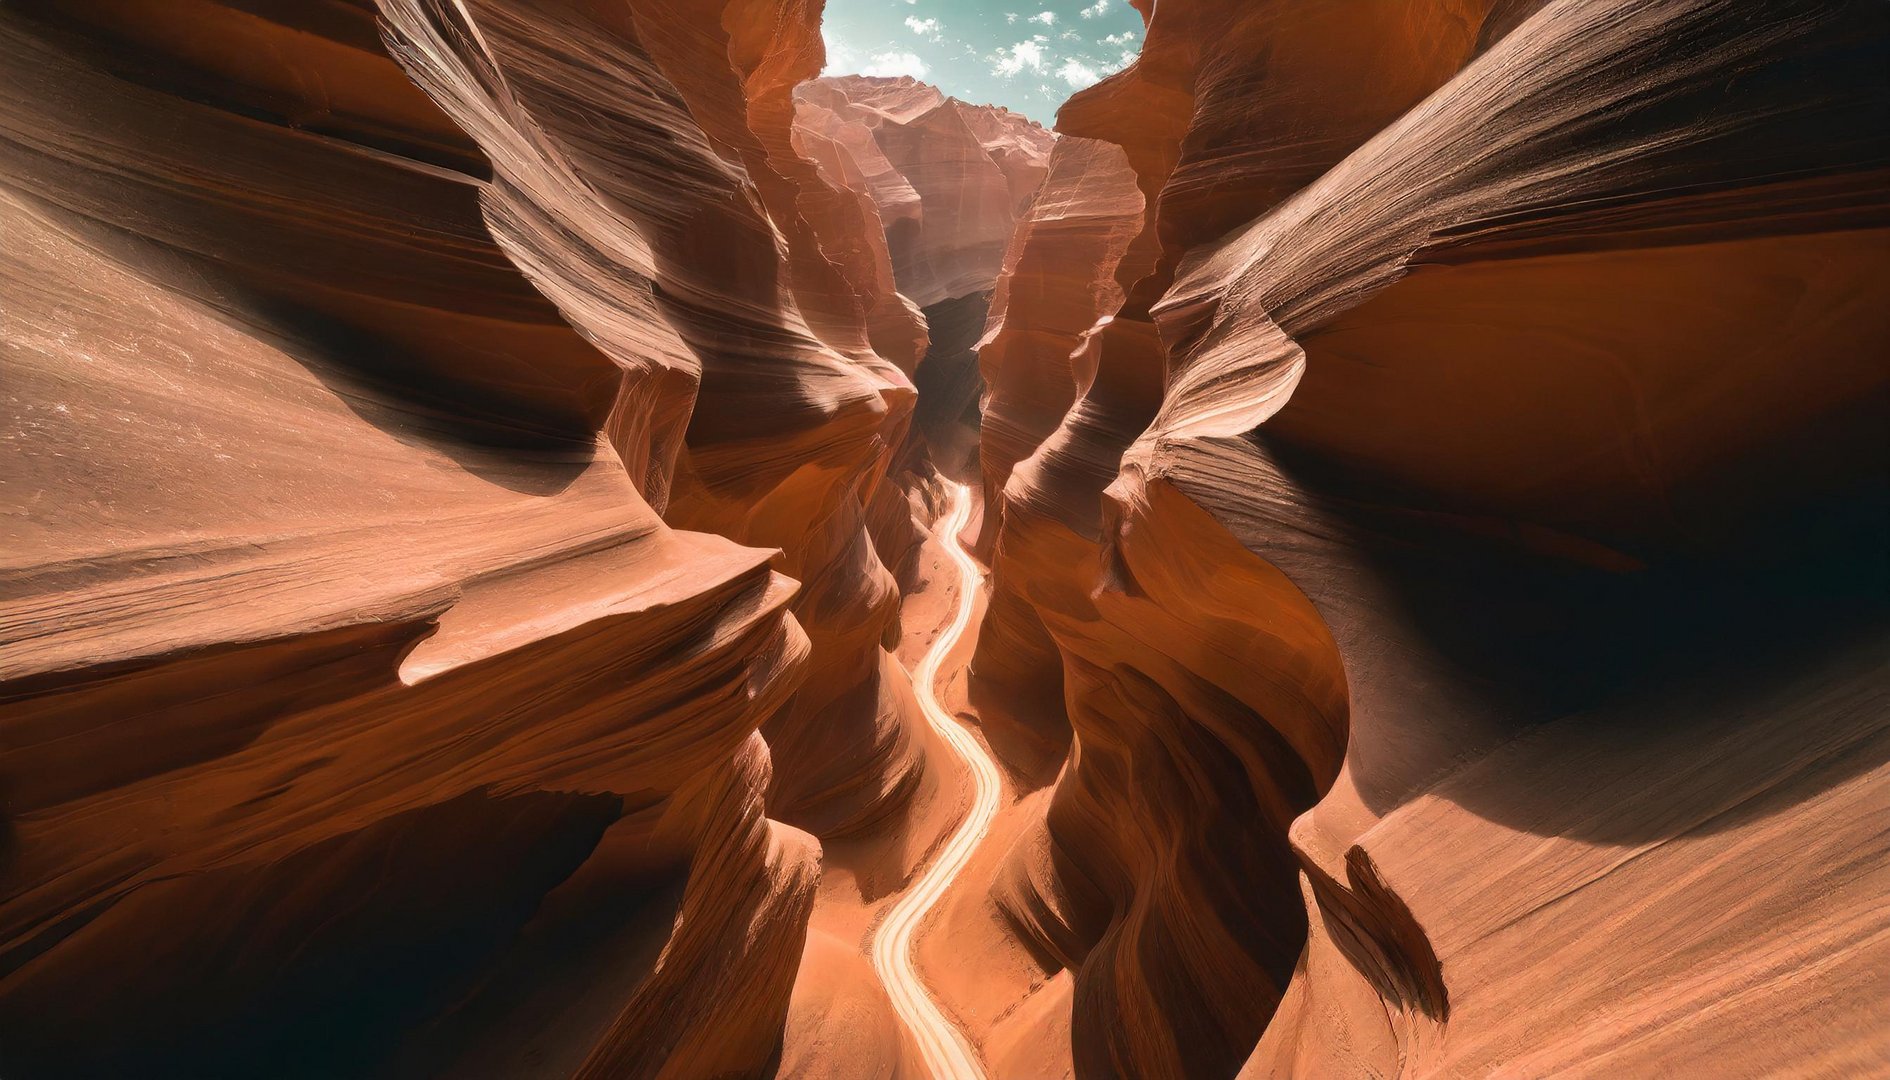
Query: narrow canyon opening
point(548, 538)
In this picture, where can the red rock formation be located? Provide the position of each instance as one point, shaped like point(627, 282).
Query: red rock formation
point(796, 418)
point(951, 181)
point(1490, 430)
point(1197, 116)
point(463, 457)
point(462, 629)
point(971, 168)
point(313, 743)
point(1059, 279)
point(850, 163)
point(1666, 499)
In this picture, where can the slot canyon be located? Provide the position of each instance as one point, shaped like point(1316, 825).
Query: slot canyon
point(551, 539)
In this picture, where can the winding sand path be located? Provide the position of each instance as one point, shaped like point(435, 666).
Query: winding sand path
point(946, 1051)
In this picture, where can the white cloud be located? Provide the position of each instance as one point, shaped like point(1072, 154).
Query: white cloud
point(1023, 56)
point(1048, 18)
point(1119, 39)
point(1095, 10)
point(1070, 35)
point(840, 58)
point(1077, 74)
point(1010, 16)
point(1119, 63)
point(925, 28)
point(892, 64)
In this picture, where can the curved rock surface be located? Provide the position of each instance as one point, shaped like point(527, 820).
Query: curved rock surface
point(1215, 106)
point(1494, 456)
point(970, 171)
point(345, 412)
point(1059, 280)
point(951, 181)
point(472, 482)
point(344, 650)
point(1610, 693)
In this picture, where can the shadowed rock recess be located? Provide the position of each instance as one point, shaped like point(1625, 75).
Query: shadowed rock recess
point(482, 478)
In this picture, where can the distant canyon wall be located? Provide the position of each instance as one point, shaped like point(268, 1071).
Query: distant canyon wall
point(950, 182)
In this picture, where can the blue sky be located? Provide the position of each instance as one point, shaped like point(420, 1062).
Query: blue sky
point(1026, 55)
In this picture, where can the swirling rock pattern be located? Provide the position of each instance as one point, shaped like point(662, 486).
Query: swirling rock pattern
point(1487, 456)
point(1106, 889)
point(348, 388)
point(341, 634)
point(463, 456)
point(1059, 279)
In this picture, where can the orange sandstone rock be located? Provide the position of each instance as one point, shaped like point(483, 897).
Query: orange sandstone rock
point(1487, 455)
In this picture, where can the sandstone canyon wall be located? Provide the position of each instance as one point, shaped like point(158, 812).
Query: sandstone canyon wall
point(354, 684)
point(380, 378)
point(1497, 457)
point(469, 473)
point(950, 181)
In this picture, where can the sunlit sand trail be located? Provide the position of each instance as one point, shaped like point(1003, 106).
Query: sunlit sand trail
point(947, 1053)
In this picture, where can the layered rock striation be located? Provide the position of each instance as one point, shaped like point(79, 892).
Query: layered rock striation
point(950, 181)
point(349, 666)
point(342, 635)
point(379, 381)
point(1493, 457)
point(464, 460)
